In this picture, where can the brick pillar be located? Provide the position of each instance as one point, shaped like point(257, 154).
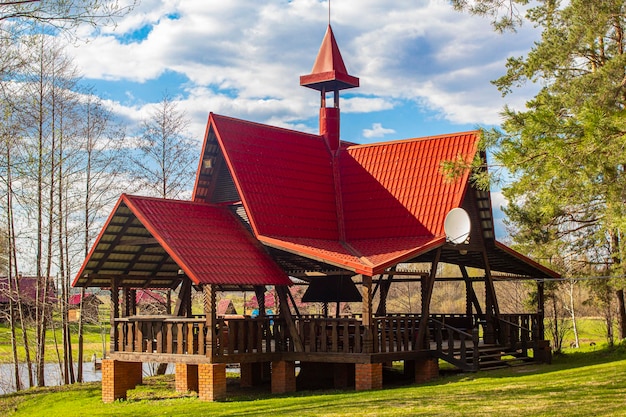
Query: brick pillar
point(118, 377)
point(368, 376)
point(283, 377)
point(186, 377)
point(211, 381)
point(426, 370)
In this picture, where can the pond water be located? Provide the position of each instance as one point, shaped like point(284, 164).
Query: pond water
point(54, 377)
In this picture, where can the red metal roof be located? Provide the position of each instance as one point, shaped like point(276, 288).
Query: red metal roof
point(284, 177)
point(206, 241)
point(364, 208)
point(329, 72)
point(397, 189)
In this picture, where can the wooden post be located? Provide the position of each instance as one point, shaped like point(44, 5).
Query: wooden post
point(427, 292)
point(492, 311)
point(259, 291)
point(285, 313)
point(211, 319)
point(183, 303)
point(384, 291)
point(114, 314)
point(540, 310)
point(368, 319)
point(472, 299)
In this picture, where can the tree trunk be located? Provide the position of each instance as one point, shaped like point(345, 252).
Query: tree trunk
point(573, 314)
point(622, 313)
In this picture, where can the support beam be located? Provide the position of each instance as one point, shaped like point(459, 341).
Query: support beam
point(471, 294)
point(427, 292)
point(115, 314)
point(495, 310)
point(368, 317)
point(285, 313)
point(183, 303)
point(259, 291)
point(208, 292)
point(540, 310)
point(384, 285)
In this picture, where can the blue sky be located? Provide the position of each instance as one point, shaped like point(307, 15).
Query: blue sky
point(424, 69)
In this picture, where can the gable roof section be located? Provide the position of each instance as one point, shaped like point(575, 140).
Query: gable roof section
point(397, 189)
point(284, 178)
point(364, 209)
point(146, 241)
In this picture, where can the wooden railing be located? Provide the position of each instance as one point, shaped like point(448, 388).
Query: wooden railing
point(147, 334)
point(456, 346)
point(332, 335)
point(188, 336)
point(453, 335)
point(518, 331)
point(252, 336)
point(396, 333)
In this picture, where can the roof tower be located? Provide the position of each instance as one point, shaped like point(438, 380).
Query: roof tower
point(329, 74)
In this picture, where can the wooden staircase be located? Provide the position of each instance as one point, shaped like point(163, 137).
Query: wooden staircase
point(494, 357)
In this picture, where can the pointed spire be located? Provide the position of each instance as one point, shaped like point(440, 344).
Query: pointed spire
point(329, 72)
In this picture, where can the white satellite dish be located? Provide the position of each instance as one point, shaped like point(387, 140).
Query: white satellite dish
point(457, 226)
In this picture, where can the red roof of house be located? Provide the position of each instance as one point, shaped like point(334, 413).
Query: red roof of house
point(316, 203)
point(204, 241)
point(28, 289)
point(363, 208)
point(148, 297)
point(74, 299)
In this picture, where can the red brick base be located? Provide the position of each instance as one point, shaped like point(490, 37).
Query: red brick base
point(118, 377)
point(368, 376)
point(186, 377)
point(283, 377)
point(426, 370)
point(211, 381)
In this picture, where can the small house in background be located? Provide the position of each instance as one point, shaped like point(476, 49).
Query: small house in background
point(226, 307)
point(150, 302)
point(91, 303)
point(26, 294)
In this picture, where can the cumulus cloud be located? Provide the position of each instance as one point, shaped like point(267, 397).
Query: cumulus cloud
point(377, 131)
point(243, 58)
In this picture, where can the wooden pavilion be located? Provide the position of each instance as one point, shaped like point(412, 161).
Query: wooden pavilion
point(271, 205)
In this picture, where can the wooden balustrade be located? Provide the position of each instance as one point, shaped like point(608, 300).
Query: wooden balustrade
point(518, 330)
point(395, 333)
point(188, 336)
point(455, 345)
point(332, 335)
point(455, 334)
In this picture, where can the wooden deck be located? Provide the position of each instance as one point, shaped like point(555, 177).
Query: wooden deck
point(454, 338)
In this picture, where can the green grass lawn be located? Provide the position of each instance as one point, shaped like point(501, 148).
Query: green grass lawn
point(586, 384)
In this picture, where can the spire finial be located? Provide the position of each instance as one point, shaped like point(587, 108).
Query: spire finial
point(328, 12)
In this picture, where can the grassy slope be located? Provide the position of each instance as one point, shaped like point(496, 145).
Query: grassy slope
point(583, 384)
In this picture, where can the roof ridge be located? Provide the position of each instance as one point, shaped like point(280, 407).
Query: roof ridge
point(417, 139)
point(263, 125)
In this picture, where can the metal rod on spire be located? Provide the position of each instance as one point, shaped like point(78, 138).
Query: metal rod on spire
point(328, 12)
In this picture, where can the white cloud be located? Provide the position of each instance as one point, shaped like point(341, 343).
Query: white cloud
point(377, 131)
point(243, 58)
